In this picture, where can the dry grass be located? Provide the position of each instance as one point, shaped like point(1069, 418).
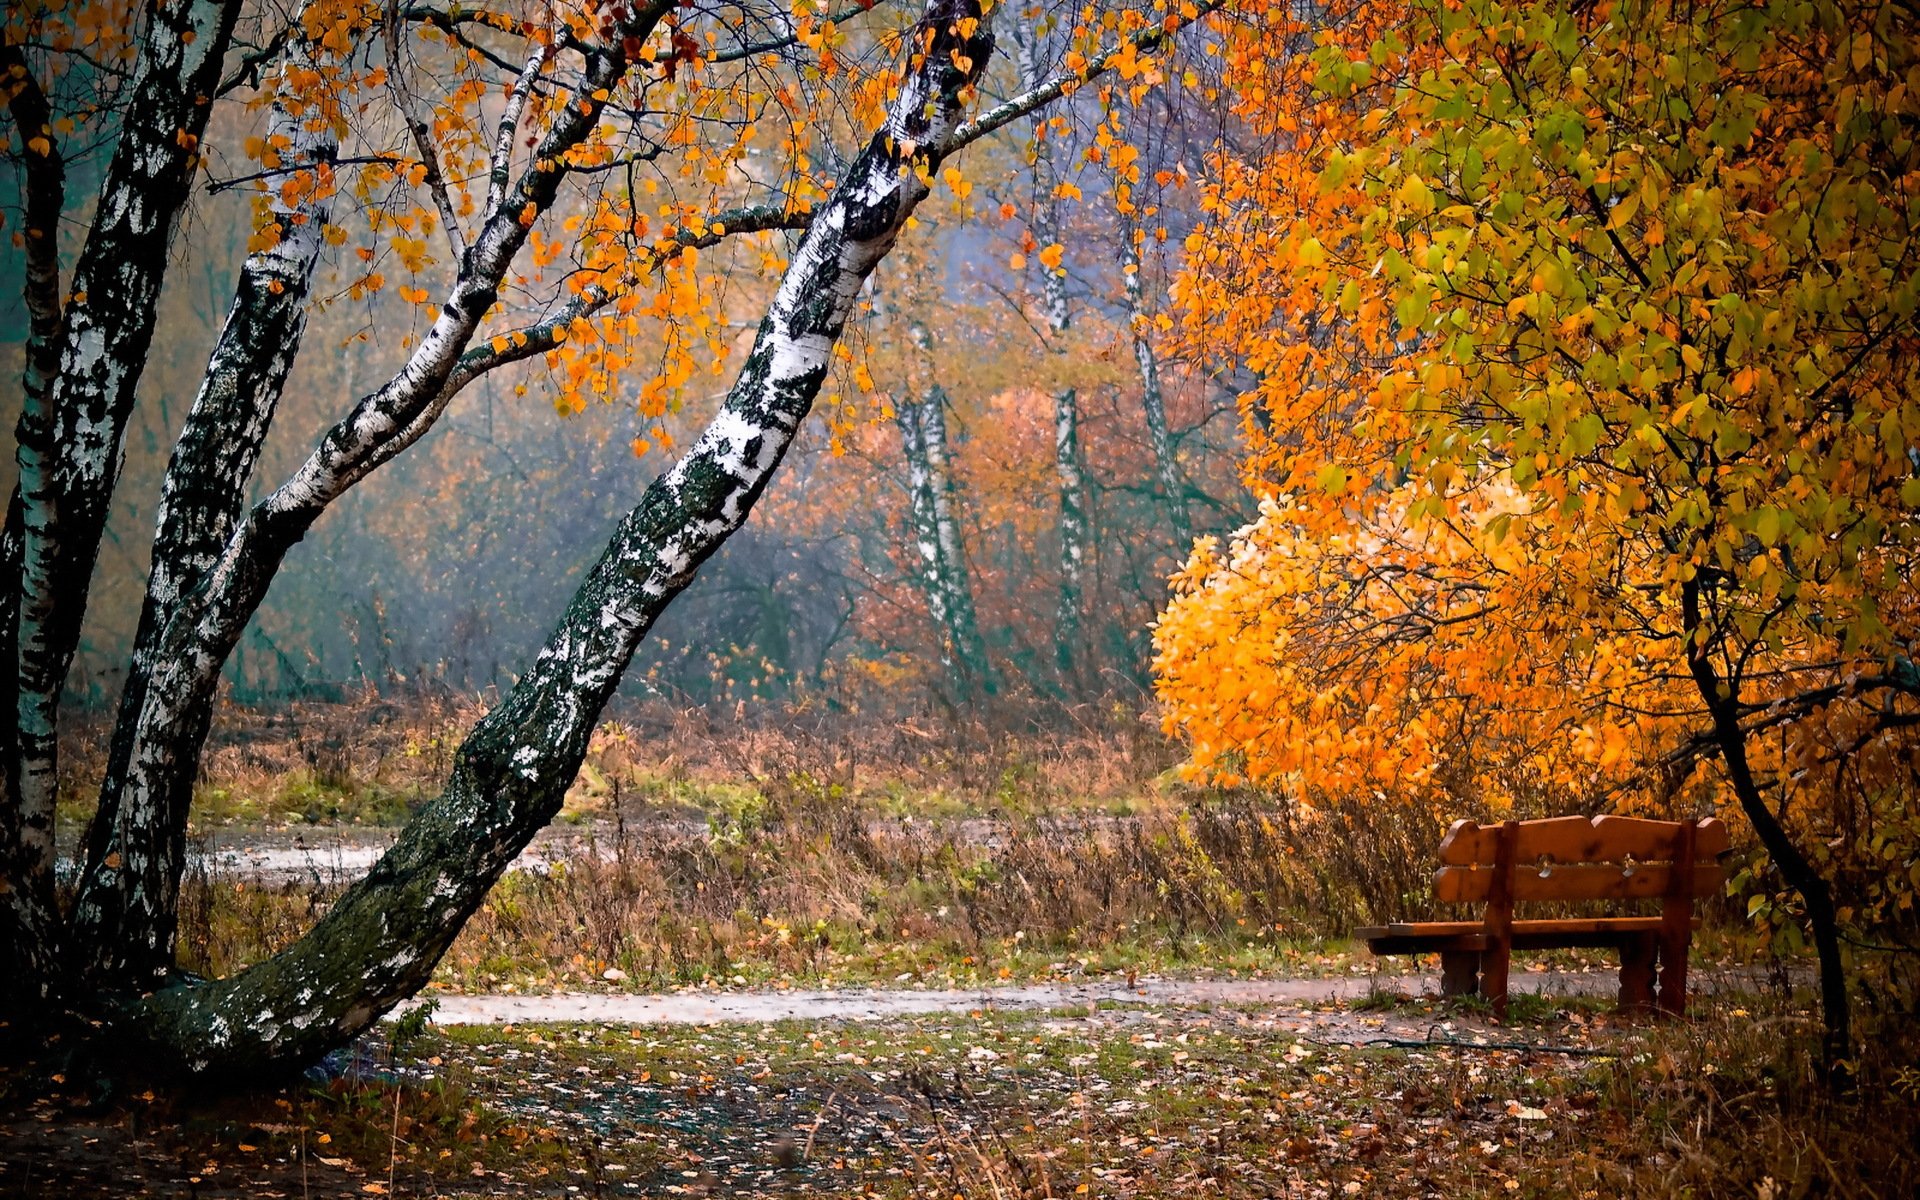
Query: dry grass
point(802, 887)
point(369, 761)
point(811, 849)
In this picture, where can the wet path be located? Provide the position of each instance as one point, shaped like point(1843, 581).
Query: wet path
point(881, 1004)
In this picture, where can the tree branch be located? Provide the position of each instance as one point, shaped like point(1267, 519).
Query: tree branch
point(422, 133)
point(1035, 98)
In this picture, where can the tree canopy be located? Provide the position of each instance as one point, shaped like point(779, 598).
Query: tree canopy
point(1588, 430)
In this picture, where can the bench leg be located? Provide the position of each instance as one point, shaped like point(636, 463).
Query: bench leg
point(1459, 972)
point(1493, 976)
point(1673, 971)
point(1636, 974)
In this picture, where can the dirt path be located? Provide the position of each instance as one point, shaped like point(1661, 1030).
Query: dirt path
point(880, 1004)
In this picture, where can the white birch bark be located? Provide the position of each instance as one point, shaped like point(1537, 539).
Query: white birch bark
point(1069, 468)
point(205, 486)
point(28, 918)
point(1152, 400)
point(513, 771)
point(124, 913)
point(939, 544)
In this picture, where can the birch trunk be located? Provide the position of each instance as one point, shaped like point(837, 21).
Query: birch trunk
point(938, 542)
point(213, 461)
point(28, 918)
point(1152, 400)
point(380, 941)
point(71, 424)
point(1073, 534)
point(1068, 466)
point(126, 909)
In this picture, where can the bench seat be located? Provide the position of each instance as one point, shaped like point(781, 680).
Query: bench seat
point(1425, 937)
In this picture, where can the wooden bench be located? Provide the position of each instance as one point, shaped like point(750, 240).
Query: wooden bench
point(1567, 859)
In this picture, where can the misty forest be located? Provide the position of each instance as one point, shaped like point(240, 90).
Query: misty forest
point(960, 599)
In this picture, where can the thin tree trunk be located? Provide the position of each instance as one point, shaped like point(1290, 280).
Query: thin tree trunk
point(1073, 534)
point(939, 544)
point(1068, 467)
point(380, 941)
point(205, 487)
point(75, 414)
point(28, 918)
point(1151, 398)
point(1721, 697)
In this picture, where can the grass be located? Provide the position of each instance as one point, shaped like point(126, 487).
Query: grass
point(803, 893)
point(741, 855)
point(1123, 1102)
point(370, 761)
point(797, 854)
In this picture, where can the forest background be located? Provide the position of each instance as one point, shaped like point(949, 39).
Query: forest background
point(443, 572)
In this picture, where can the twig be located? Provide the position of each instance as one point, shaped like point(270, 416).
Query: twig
point(1039, 97)
point(435, 182)
point(393, 1142)
point(222, 185)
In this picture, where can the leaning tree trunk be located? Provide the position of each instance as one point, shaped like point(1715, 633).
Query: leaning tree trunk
point(126, 908)
point(72, 421)
point(944, 577)
point(204, 490)
point(380, 941)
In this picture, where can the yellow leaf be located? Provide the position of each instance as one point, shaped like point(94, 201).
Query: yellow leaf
point(1416, 196)
point(1623, 211)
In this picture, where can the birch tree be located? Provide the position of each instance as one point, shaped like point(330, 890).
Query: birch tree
point(939, 546)
point(493, 143)
point(1153, 402)
point(1069, 467)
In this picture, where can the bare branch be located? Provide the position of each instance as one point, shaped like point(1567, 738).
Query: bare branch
point(247, 72)
point(224, 185)
point(748, 50)
point(543, 335)
point(1036, 98)
point(421, 132)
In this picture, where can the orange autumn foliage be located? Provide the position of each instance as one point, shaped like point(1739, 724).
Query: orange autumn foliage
point(1586, 347)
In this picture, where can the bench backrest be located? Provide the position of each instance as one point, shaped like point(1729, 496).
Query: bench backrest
point(1576, 858)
